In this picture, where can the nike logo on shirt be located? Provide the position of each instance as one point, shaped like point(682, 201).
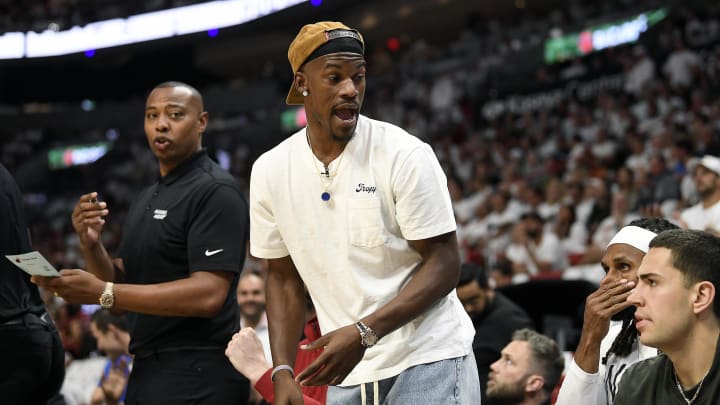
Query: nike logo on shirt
point(212, 252)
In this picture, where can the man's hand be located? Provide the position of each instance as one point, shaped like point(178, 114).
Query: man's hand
point(602, 304)
point(87, 218)
point(75, 286)
point(342, 351)
point(246, 354)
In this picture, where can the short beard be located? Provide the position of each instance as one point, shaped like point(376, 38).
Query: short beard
point(477, 317)
point(507, 393)
point(706, 193)
point(342, 139)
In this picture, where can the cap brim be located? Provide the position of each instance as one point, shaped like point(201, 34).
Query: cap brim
point(294, 97)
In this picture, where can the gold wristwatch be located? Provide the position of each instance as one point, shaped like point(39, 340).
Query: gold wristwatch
point(107, 298)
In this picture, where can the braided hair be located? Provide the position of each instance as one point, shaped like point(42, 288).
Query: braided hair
point(625, 340)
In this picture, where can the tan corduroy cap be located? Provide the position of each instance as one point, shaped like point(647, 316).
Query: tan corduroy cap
point(310, 38)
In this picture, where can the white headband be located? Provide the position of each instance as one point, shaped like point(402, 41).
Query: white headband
point(634, 236)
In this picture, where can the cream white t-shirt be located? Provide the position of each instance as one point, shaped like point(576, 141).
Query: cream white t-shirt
point(698, 217)
point(352, 251)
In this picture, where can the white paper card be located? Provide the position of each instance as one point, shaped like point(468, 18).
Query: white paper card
point(34, 264)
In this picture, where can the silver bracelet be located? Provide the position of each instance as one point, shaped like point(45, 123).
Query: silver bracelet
point(281, 368)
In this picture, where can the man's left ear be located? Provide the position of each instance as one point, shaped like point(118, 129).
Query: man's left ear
point(534, 383)
point(203, 122)
point(704, 296)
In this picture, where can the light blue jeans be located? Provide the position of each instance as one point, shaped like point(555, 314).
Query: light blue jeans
point(445, 382)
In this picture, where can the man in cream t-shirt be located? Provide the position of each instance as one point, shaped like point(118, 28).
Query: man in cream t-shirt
point(358, 211)
point(705, 215)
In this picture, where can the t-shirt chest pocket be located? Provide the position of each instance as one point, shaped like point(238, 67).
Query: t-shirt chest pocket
point(366, 223)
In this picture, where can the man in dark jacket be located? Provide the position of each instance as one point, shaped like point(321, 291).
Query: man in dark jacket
point(30, 347)
point(495, 318)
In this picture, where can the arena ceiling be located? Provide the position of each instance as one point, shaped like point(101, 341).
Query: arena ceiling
point(116, 73)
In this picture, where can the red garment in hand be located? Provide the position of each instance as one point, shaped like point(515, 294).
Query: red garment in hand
point(311, 395)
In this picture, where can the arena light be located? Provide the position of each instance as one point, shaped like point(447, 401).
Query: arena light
point(601, 37)
point(12, 45)
point(75, 155)
point(293, 119)
point(196, 18)
point(392, 44)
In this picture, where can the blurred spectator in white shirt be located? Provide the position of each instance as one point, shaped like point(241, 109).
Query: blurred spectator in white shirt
point(533, 250)
point(572, 234)
point(640, 72)
point(705, 215)
point(681, 66)
point(549, 208)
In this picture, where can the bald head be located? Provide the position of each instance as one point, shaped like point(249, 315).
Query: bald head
point(195, 95)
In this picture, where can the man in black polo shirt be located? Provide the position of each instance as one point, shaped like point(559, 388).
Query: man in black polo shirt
point(177, 270)
point(32, 355)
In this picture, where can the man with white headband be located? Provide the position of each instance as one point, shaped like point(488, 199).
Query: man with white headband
point(608, 343)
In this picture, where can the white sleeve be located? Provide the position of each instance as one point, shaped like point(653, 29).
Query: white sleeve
point(266, 242)
point(422, 199)
point(579, 387)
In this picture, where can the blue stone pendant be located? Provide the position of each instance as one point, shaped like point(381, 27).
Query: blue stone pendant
point(325, 196)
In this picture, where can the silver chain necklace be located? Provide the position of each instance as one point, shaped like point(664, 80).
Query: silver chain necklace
point(682, 393)
point(326, 177)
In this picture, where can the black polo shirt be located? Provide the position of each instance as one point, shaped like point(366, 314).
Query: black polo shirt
point(193, 219)
point(17, 294)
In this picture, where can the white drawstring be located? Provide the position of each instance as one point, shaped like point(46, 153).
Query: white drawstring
point(376, 395)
